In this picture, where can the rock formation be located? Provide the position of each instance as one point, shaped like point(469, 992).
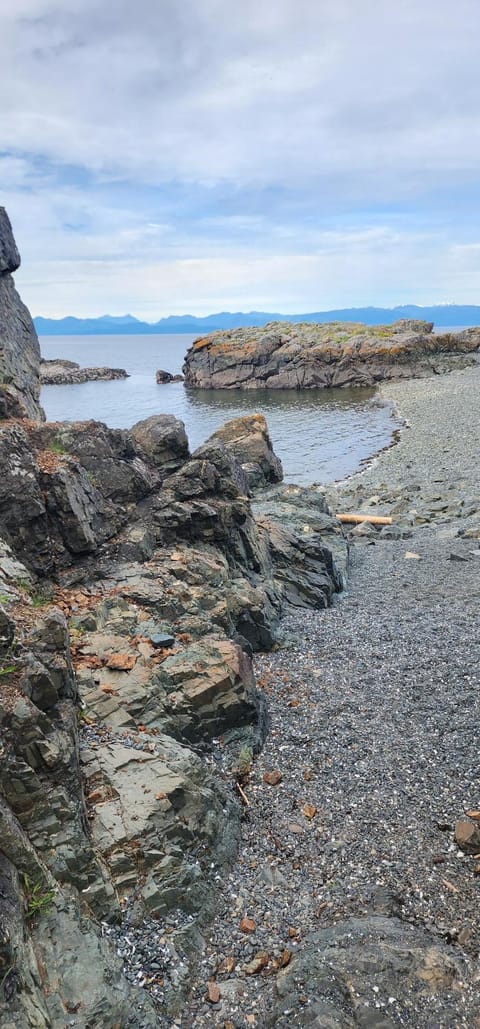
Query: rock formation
point(19, 347)
point(135, 582)
point(65, 373)
point(164, 377)
point(305, 356)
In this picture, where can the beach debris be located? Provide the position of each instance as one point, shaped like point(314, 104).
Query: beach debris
point(412, 556)
point(358, 518)
point(243, 795)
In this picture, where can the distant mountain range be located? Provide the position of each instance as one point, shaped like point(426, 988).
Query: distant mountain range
point(440, 314)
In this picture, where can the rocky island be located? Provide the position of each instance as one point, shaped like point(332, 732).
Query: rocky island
point(305, 356)
point(211, 812)
point(59, 372)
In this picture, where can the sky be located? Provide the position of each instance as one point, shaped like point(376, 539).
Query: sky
point(190, 156)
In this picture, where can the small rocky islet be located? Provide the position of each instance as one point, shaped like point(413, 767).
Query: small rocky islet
point(59, 372)
point(282, 355)
point(210, 813)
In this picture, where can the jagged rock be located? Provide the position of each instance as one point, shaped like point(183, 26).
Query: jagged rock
point(209, 688)
point(64, 373)
point(309, 554)
point(163, 440)
point(49, 506)
point(109, 457)
point(19, 347)
point(153, 816)
point(7, 629)
point(82, 977)
point(9, 255)
point(282, 355)
point(247, 438)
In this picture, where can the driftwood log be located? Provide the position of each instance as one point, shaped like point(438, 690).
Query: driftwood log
point(357, 518)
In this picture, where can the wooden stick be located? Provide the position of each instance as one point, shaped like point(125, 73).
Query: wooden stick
point(373, 519)
point(243, 795)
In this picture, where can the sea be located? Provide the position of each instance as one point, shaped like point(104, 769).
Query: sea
point(321, 436)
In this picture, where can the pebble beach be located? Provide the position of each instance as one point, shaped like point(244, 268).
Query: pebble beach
point(350, 902)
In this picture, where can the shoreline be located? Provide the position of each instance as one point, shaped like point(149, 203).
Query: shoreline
point(417, 456)
point(348, 867)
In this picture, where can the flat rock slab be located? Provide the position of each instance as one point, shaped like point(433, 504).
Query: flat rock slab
point(368, 972)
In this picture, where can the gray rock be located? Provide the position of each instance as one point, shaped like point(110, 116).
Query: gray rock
point(19, 347)
point(162, 377)
point(247, 438)
point(7, 629)
point(282, 355)
point(64, 373)
point(364, 972)
point(163, 439)
point(9, 255)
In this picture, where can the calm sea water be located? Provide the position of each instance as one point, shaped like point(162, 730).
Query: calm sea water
point(320, 435)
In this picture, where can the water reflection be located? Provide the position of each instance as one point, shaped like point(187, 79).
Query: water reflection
point(320, 435)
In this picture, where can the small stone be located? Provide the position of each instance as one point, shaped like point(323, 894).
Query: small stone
point(272, 778)
point(122, 662)
point(467, 836)
point(213, 993)
point(162, 640)
point(257, 964)
point(247, 925)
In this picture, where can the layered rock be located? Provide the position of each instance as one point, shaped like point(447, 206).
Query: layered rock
point(135, 583)
point(306, 356)
point(19, 347)
point(65, 373)
point(247, 438)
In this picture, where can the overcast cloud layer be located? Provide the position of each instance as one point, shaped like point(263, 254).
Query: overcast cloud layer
point(173, 156)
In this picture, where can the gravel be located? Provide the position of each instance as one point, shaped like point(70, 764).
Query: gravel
point(374, 710)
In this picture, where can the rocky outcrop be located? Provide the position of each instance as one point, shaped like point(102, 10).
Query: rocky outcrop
point(19, 347)
point(163, 377)
point(306, 356)
point(168, 581)
point(65, 373)
point(135, 581)
point(336, 978)
point(247, 438)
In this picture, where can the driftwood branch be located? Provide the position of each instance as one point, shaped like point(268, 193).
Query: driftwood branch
point(357, 518)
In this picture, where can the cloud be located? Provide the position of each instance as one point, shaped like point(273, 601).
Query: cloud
point(208, 129)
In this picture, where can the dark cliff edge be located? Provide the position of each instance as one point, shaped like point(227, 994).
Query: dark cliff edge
point(19, 347)
point(136, 581)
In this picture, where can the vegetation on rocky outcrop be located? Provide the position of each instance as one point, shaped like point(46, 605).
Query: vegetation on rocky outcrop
point(284, 355)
